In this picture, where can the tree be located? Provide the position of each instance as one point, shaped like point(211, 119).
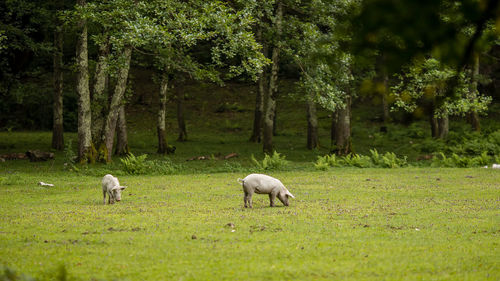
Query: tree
point(424, 82)
point(175, 31)
point(116, 104)
point(82, 88)
point(57, 130)
point(325, 66)
point(270, 95)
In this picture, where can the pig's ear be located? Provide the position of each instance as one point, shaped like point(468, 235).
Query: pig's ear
point(289, 194)
point(122, 187)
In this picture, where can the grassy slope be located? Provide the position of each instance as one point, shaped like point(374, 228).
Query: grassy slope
point(350, 224)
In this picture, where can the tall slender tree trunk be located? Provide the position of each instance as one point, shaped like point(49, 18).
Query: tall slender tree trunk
point(385, 102)
point(99, 97)
point(180, 117)
point(312, 125)
point(259, 97)
point(57, 129)
point(275, 116)
point(121, 133)
point(162, 112)
point(82, 88)
point(116, 103)
point(384, 77)
point(434, 126)
point(443, 126)
point(342, 130)
point(259, 108)
point(270, 97)
point(473, 116)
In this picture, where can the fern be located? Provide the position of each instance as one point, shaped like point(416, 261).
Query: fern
point(274, 162)
point(135, 165)
point(356, 160)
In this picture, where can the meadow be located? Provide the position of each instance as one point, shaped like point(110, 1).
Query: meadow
point(189, 223)
point(345, 224)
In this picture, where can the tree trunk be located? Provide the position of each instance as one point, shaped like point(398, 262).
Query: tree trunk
point(259, 99)
point(121, 134)
point(162, 112)
point(473, 116)
point(99, 97)
point(332, 132)
point(312, 125)
point(385, 103)
point(116, 103)
point(180, 117)
point(434, 126)
point(275, 116)
point(443, 126)
point(259, 108)
point(384, 77)
point(57, 130)
point(270, 96)
point(342, 131)
point(82, 88)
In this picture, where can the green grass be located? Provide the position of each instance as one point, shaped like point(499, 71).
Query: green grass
point(346, 224)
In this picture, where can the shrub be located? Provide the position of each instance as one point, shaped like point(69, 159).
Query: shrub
point(455, 160)
point(356, 160)
point(139, 165)
point(324, 162)
point(165, 167)
point(274, 162)
point(135, 165)
point(482, 160)
point(69, 156)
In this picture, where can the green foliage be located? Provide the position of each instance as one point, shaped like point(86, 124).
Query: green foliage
point(425, 81)
point(356, 160)
point(140, 166)
point(273, 162)
point(387, 160)
point(135, 165)
point(440, 160)
point(324, 162)
point(70, 156)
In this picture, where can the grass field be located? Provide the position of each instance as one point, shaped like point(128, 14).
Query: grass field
point(345, 224)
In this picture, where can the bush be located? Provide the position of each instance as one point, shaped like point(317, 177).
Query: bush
point(135, 165)
point(356, 160)
point(388, 160)
point(455, 160)
point(274, 162)
point(323, 163)
point(69, 156)
point(139, 165)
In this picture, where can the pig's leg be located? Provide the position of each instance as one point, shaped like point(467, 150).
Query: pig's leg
point(245, 198)
point(272, 197)
point(248, 199)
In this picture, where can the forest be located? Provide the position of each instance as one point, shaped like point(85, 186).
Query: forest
point(380, 116)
